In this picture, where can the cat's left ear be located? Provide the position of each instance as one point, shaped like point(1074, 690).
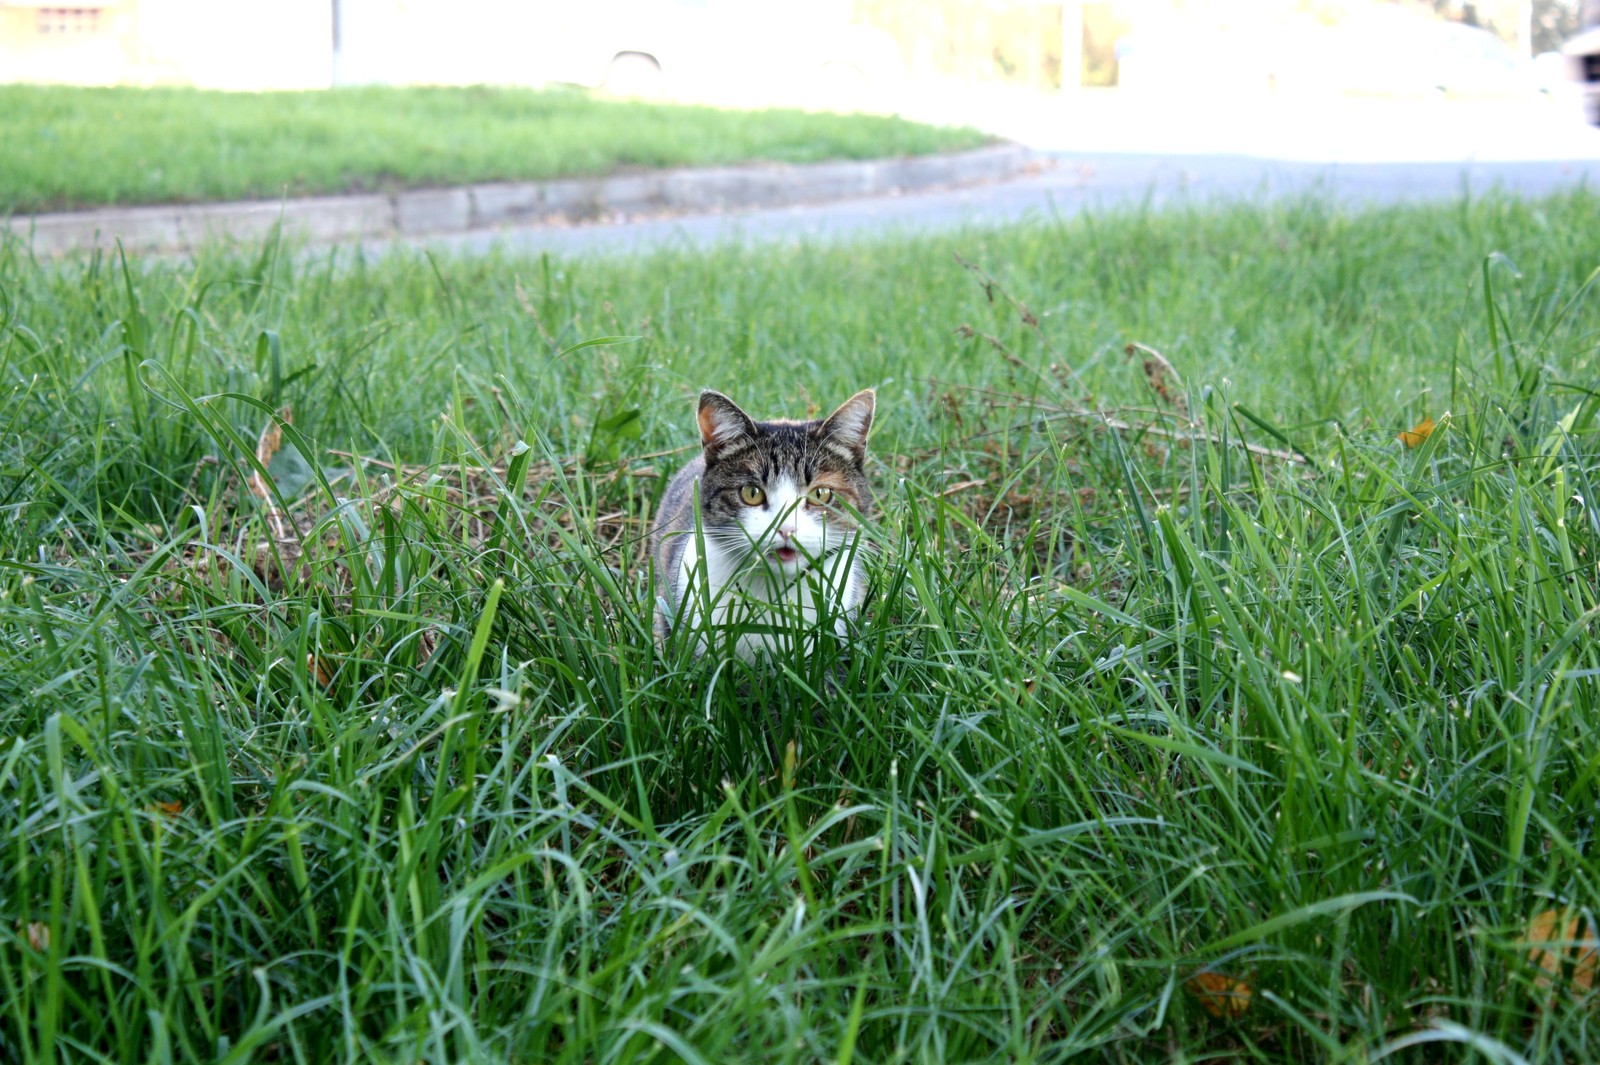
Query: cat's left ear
point(849, 425)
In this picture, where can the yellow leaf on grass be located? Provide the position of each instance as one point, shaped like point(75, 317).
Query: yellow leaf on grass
point(790, 756)
point(1224, 997)
point(38, 935)
point(1417, 433)
point(1566, 946)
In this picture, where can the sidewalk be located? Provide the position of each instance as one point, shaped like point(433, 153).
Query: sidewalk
point(484, 208)
point(1063, 153)
point(1325, 128)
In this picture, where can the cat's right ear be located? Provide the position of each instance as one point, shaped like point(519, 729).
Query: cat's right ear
point(722, 423)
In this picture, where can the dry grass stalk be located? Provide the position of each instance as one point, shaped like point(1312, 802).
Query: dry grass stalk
point(1163, 379)
point(267, 446)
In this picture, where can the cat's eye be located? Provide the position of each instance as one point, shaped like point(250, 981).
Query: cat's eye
point(752, 495)
point(820, 495)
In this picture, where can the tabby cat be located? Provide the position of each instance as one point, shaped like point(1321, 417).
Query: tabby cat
point(757, 537)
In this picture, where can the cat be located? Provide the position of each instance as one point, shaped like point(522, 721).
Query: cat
point(758, 537)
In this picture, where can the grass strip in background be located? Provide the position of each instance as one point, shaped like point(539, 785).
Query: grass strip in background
point(70, 148)
point(1195, 713)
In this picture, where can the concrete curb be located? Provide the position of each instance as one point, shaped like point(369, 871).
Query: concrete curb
point(455, 210)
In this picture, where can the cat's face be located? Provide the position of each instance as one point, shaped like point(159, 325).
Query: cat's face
point(783, 495)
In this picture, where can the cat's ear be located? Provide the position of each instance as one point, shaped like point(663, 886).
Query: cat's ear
point(849, 425)
point(722, 422)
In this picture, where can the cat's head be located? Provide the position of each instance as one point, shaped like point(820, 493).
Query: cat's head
point(790, 492)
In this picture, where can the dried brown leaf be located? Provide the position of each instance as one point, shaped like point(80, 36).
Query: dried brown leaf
point(427, 640)
point(1566, 945)
point(1224, 997)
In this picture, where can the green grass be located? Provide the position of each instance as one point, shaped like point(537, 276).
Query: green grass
point(389, 769)
point(71, 147)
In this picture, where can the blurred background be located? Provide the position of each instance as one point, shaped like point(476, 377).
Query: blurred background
point(1016, 67)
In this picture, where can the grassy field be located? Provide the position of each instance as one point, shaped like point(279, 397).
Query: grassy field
point(70, 147)
point(1193, 715)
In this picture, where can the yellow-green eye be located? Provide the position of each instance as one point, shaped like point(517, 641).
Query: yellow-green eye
point(752, 495)
point(820, 495)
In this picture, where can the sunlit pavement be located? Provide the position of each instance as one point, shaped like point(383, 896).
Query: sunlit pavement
point(1109, 151)
point(1308, 128)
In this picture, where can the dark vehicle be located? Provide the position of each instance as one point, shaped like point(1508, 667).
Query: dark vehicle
point(1582, 54)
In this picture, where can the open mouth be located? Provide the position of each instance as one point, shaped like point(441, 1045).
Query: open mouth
point(785, 554)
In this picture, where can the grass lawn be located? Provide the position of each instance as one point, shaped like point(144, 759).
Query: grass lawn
point(69, 147)
point(1193, 715)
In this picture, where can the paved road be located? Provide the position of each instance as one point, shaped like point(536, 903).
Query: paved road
point(1114, 152)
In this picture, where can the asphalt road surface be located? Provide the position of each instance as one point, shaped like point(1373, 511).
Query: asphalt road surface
point(1115, 153)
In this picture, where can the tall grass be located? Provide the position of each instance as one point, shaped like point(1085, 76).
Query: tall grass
point(354, 745)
